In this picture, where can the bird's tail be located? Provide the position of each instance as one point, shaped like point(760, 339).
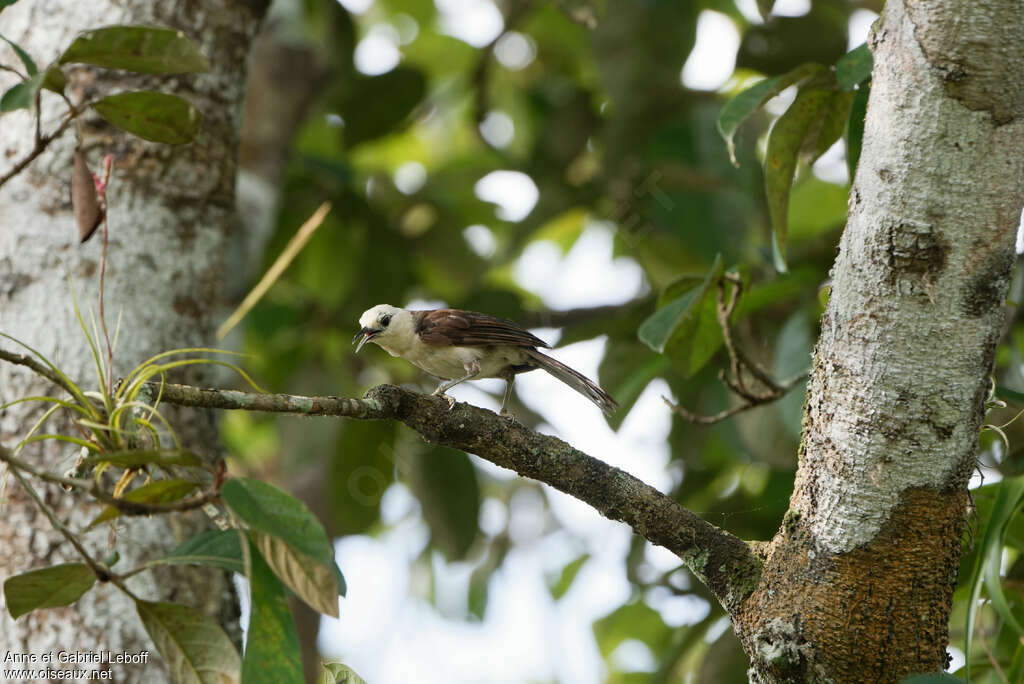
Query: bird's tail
point(576, 380)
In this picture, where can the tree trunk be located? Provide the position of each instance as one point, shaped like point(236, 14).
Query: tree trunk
point(171, 211)
point(857, 585)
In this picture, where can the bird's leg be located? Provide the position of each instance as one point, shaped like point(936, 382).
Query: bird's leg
point(472, 370)
point(509, 378)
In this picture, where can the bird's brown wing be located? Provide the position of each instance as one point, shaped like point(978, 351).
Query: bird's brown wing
point(444, 327)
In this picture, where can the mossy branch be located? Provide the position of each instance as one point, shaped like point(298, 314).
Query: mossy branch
point(722, 561)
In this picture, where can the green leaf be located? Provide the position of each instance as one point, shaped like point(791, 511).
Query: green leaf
point(445, 482)
point(143, 49)
point(565, 578)
point(216, 548)
point(54, 80)
point(362, 468)
point(855, 128)
point(158, 117)
point(194, 647)
point(810, 123)
point(375, 105)
point(764, 7)
point(339, 579)
point(815, 207)
point(739, 108)
point(792, 354)
point(21, 95)
point(1010, 395)
point(314, 583)
point(134, 458)
point(833, 123)
point(686, 328)
point(58, 585)
point(30, 66)
point(336, 673)
point(634, 620)
point(6, 3)
point(157, 491)
point(854, 67)
point(292, 540)
point(626, 369)
point(268, 509)
point(271, 645)
point(1008, 500)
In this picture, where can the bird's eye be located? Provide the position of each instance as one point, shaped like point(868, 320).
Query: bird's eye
point(384, 320)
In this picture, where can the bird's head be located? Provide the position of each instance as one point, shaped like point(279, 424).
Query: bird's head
point(382, 324)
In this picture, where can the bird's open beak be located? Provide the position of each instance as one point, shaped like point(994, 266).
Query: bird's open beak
point(366, 334)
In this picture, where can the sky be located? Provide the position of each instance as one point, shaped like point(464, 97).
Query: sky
point(388, 631)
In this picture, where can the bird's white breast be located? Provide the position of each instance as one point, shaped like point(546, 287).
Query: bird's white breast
point(453, 362)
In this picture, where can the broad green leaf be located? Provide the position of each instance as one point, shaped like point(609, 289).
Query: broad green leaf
point(158, 117)
point(292, 540)
point(375, 105)
point(1006, 507)
point(686, 328)
point(479, 591)
point(54, 80)
point(855, 128)
point(790, 134)
point(30, 66)
point(854, 67)
point(58, 585)
point(626, 369)
point(216, 548)
point(1010, 395)
point(267, 509)
point(792, 354)
point(336, 673)
point(736, 110)
point(1008, 500)
point(445, 482)
point(782, 288)
point(815, 207)
point(143, 49)
point(565, 579)
point(313, 582)
point(157, 491)
point(679, 287)
point(764, 7)
point(362, 467)
point(635, 620)
point(563, 230)
point(133, 458)
point(194, 647)
point(21, 95)
point(836, 116)
point(272, 652)
point(339, 579)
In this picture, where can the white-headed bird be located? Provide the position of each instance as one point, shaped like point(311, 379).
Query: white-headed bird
point(456, 345)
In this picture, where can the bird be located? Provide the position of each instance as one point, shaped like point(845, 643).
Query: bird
point(456, 345)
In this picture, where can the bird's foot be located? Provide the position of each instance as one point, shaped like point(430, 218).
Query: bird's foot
point(450, 400)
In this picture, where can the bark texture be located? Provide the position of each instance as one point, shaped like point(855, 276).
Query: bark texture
point(857, 585)
point(171, 213)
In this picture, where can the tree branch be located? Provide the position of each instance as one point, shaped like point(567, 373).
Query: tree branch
point(725, 563)
point(124, 506)
point(36, 367)
point(41, 144)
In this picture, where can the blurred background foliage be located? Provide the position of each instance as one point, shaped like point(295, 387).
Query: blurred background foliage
point(579, 107)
